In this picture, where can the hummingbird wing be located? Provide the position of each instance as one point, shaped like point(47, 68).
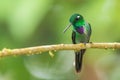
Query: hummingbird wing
point(87, 32)
point(78, 54)
point(73, 37)
point(90, 31)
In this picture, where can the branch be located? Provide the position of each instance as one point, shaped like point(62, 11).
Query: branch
point(41, 49)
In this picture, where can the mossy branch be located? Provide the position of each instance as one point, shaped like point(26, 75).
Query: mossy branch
point(45, 48)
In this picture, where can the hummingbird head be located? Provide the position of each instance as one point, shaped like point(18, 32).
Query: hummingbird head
point(76, 20)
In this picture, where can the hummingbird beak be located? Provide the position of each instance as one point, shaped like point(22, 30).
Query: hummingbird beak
point(67, 28)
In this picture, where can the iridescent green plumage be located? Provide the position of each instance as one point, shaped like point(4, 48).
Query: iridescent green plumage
point(81, 34)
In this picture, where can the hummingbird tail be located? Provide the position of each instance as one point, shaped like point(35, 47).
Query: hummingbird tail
point(78, 60)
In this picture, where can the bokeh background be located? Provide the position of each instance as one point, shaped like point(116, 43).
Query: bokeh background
point(27, 23)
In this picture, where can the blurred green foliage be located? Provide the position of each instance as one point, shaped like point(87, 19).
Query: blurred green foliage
point(26, 23)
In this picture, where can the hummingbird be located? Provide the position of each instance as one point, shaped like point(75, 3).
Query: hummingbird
point(80, 34)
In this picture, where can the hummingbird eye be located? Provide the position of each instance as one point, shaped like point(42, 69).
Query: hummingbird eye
point(77, 18)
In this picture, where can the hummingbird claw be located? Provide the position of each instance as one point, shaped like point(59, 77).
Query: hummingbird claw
point(90, 42)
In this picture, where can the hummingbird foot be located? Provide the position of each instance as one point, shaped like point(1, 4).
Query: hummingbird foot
point(90, 42)
point(84, 43)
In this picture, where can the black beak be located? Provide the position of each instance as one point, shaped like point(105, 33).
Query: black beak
point(67, 28)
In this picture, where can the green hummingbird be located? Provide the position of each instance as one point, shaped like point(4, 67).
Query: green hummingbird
point(80, 34)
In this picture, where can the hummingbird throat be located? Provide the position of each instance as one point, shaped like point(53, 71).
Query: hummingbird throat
point(80, 29)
